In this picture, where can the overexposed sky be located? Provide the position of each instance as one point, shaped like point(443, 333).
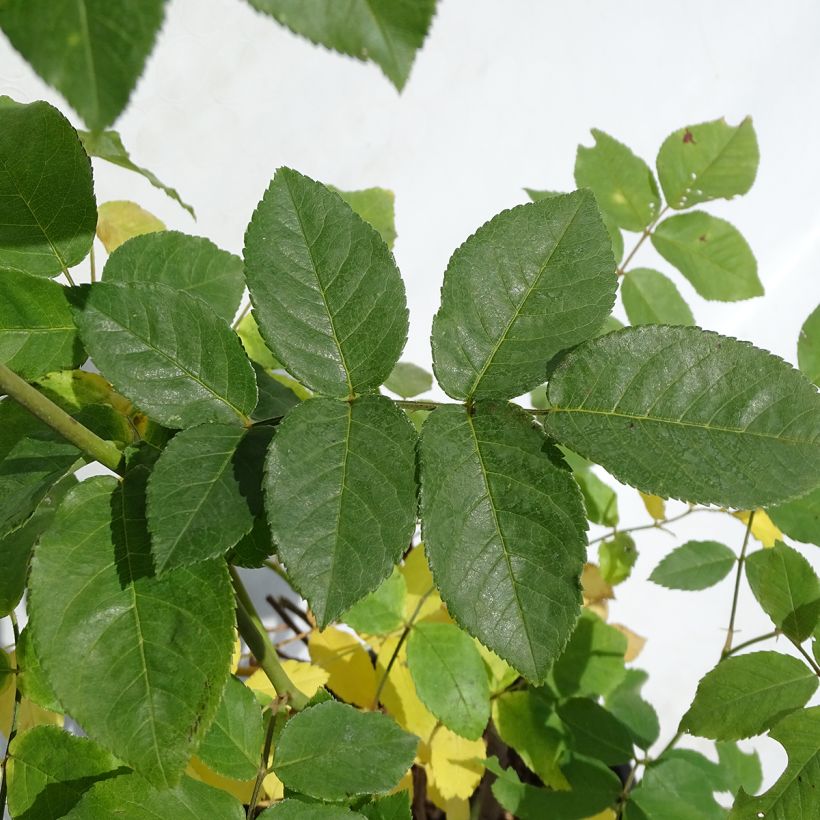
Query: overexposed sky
point(499, 98)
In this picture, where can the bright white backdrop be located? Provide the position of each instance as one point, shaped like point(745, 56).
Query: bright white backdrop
point(499, 98)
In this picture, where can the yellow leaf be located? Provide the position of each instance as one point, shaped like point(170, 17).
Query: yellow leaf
point(655, 506)
point(593, 585)
point(606, 814)
point(273, 786)
point(454, 808)
point(419, 581)
point(405, 784)
point(398, 694)
point(240, 789)
point(501, 673)
point(763, 528)
point(29, 714)
point(308, 679)
point(120, 221)
point(350, 673)
point(634, 642)
point(454, 767)
point(600, 608)
point(237, 656)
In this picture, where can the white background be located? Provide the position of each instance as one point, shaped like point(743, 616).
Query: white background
point(499, 98)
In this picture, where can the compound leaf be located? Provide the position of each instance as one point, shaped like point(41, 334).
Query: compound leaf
point(650, 298)
point(685, 413)
point(694, 565)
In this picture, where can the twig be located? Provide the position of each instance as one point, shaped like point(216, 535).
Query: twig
point(647, 232)
point(752, 641)
point(730, 632)
point(263, 763)
point(283, 614)
point(809, 660)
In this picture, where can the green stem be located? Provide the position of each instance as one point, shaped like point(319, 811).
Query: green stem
point(730, 632)
point(647, 232)
point(92, 264)
point(263, 764)
point(254, 635)
point(55, 417)
point(808, 658)
point(244, 312)
point(18, 696)
point(68, 277)
point(655, 525)
point(752, 641)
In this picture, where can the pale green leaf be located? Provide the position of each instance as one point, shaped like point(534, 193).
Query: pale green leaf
point(712, 160)
point(529, 283)
point(694, 565)
point(233, 744)
point(388, 32)
point(291, 809)
point(121, 220)
point(168, 352)
point(376, 207)
point(808, 346)
point(596, 732)
point(711, 254)
point(650, 298)
point(47, 208)
point(408, 380)
point(91, 51)
point(685, 413)
point(795, 795)
point(504, 528)
point(600, 500)
point(799, 519)
point(450, 677)
point(254, 344)
point(155, 652)
point(626, 703)
point(616, 557)
point(741, 770)
point(746, 694)
point(326, 291)
point(787, 588)
point(108, 145)
point(382, 610)
point(622, 183)
point(341, 497)
point(355, 752)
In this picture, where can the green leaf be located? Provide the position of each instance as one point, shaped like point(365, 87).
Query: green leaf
point(741, 770)
point(291, 809)
point(341, 498)
point(388, 32)
point(622, 183)
point(711, 254)
point(616, 557)
point(356, 752)
point(37, 332)
point(132, 798)
point(795, 794)
point(408, 380)
point(713, 160)
point(393, 807)
point(639, 717)
point(168, 352)
point(650, 298)
point(275, 400)
point(808, 346)
point(746, 694)
point(187, 263)
point(596, 732)
point(376, 207)
point(32, 681)
point(695, 565)
point(326, 291)
point(504, 528)
point(593, 661)
point(253, 549)
point(83, 49)
point(155, 652)
point(108, 145)
point(787, 588)
point(382, 610)
point(233, 744)
point(47, 208)
point(450, 677)
point(50, 770)
point(799, 519)
point(198, 507)
point(681, 412)
point(254, 344)
point(600, 500)
point(529, 283)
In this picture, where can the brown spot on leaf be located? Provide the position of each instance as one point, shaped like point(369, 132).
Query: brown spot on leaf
point(688, 136)
point(702, 237)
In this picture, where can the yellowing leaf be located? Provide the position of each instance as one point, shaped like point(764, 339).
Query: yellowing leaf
point(120, 221)
point(29, 714)
point(634, 642)
point(240, 789)
point(454, 809)
point(350, 673)
point(419, 581)
point(501, 673)
point(273, 786)
point(600, 608)
point(606, 814)
point(655, 506)
point(454, 767)
point(307, 677)
point(593, 585)
point(763, 528)
point(237, 656)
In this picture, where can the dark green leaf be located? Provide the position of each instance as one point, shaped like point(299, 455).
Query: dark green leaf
point(787, 588)
point(47, 208)
point(529, 283)
point(155, 652)
point(32, 681)
point(408, 380)
point(595, 731)
point(393, 807)
point(356, 752)
point(711, 254)
point(108, 145)
point(746, 694)
point(795, 795)
point(650, 298)
point(376, 207)
point(808, 346)
point(616, 557)
point(712, 160)
point(799, 519)
point(275, 400)
point(297, 810)
point(187, 263)
point(695, 565)
point(685, 413)
point(504, 529)
point(91, 51)
point(341, 497)
point(625, 702)
point(450, 677)
point(50, 770)
point(622, 183)
point(233, 745)
point(388, 32)
point(255, 547)
point(327, 294)
point(382, 610)
point(168, 352)
point(741, 770)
